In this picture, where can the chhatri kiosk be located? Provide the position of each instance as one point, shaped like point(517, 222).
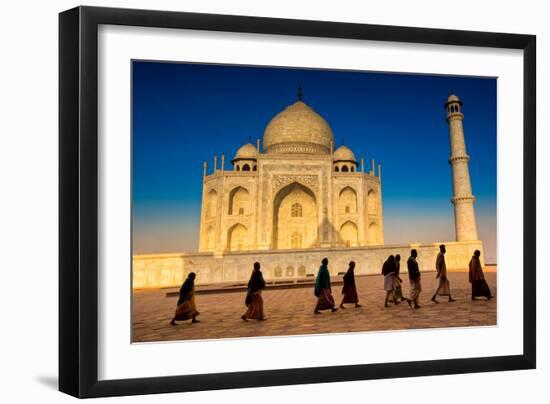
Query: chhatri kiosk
point(296, 200)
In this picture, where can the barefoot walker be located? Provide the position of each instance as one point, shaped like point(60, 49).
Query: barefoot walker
point(477, 279)
point(443, 286)
point(322, 290)
point(349, 290)
point(254, 299)
point(186, 309)
point(414, 280)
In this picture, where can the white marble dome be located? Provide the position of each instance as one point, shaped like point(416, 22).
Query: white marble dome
point(248, 151)
point(298, 129)
point(343, 153)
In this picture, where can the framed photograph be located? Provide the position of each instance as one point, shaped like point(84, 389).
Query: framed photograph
point(251, 202)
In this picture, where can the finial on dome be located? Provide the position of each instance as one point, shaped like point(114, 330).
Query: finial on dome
point(300, 93)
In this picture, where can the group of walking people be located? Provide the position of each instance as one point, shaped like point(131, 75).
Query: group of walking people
point(392, 280)
point(186, 308)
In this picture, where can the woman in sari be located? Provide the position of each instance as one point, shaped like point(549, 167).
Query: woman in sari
point(322, 290)
point(349, 290)
point(254, 300)
point(185, 308)
point(477, 279)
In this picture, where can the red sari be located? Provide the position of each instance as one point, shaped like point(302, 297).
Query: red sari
point(187, 309)
point(325, 300)
point(254, 301)
point(349, 290)
point(256, 307)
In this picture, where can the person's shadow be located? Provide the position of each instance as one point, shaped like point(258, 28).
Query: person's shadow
point(48, 381)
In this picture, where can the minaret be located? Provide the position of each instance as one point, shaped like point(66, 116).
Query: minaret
point(463, 200)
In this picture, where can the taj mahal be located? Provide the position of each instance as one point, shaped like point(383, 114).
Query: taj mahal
point(293, 198)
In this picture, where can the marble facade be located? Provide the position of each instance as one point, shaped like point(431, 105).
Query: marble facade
point(297, 200)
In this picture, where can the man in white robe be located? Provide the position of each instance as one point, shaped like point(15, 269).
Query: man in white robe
point(443, 286)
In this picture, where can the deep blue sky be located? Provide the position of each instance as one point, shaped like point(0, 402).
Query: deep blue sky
point(183, 114)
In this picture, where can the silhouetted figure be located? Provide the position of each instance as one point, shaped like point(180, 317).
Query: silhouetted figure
point(477, 279)
point(390, 277)
point(185, 308)
point(414, 280)
point(397, 291)
point(322, 290)
point(443, 286)
point(254, 299)
point(349, 290)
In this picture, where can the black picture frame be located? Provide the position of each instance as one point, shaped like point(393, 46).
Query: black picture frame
point(78, 201)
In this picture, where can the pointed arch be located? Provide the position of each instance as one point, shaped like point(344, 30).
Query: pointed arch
point(237, 237)
point(372, 202)
point(211, 203)
point(286, 218)
point(239, 201)
point(347, 201)
point(349, 234)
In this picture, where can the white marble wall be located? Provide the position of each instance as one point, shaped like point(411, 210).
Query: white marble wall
point(169, 270)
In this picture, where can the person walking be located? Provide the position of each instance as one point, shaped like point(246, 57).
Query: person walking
point(186, 308)
point(397, 290)
point(414, 280)
point(443, 285)
point(388, 270)
point(349, 290)
point(322, 289)
point(477, 279)
point(254, 300)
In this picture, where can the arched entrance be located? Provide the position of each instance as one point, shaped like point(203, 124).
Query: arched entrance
point(238, 201)
point(237, 238)
point(211, 202)
point(348, 233)
point(295, 221)
point(347, 202)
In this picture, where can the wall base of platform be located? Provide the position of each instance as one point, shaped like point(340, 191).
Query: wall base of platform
point(170, 270)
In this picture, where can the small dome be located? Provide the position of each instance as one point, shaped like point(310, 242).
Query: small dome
point(344, 153)
point(298, 129)
point(452, 98)
point(248, 151)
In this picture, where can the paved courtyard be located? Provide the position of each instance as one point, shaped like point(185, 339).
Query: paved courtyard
point(290, 311)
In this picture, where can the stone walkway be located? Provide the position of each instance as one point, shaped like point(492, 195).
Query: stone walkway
point(290, 312)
